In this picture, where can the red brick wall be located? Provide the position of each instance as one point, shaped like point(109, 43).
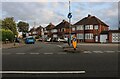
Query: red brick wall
point(89, 40)
point(110, 37)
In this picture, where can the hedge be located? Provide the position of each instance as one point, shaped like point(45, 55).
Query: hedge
point(7, 34)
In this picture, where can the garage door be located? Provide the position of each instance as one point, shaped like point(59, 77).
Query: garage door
point(103, 38)
point(115, 37)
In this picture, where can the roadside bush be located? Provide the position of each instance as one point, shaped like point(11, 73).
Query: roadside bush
point(0, 35)
point(37, 37)
point(7, 34)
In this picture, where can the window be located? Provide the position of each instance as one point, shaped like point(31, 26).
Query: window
point(54, 35)
point(91, 26)
point(88, 27)
point(88, 36)
point(73, 29)
point(96, 27)
point(79, 36)
point(62, 29)
point(54, 30)
point(80, 27)
point(59, 30)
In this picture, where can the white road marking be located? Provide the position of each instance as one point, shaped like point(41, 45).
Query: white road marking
point(59, 46)
point(62, 53)
point(97, 51)
point(47, 53)
point(20, 53)
point(109, 51)
point(34, 53)
point(118, 51)
point(87, 52)
point(42, 72)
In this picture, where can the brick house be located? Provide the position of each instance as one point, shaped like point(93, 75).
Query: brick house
point(39, 31)
point(61, 30)
point(47, 30)
point(32, 31)
point(36, 31)
point(89, 28)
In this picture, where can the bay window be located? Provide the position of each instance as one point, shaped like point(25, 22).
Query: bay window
point(80, 27)
point(88, 36)
point(88, 27)
point(79, 36)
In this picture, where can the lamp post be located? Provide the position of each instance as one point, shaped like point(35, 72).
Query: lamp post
point(15, 39)
point(69, 17)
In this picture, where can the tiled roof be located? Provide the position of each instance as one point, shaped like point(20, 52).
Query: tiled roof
point(63, 24)
point(39, 28)
point(32, 29)
point(90, 20)
point(50, 26)
point(118, 31)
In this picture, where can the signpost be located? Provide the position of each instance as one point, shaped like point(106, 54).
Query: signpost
point(69, 17)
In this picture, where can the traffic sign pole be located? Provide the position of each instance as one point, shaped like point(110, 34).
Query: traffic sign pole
point(69, 16)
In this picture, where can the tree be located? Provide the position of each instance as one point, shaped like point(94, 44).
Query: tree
point(7, 34)
point(9, 24)
point(23, 27)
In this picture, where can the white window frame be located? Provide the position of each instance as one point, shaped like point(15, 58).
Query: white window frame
point(80, 36)
point(91, 27)
point(80, 27)
point(88, 27)
point(54, 30)
point(89, 36)
point(95, 27)
point(55, 35)
point(73, 29)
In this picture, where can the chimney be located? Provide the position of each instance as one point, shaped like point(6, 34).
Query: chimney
point(50, 23)
point(89, 15)
point(63, 21)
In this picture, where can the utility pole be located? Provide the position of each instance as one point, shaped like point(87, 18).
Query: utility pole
point(69, 17)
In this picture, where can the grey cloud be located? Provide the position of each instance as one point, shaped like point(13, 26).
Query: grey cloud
point(46, 12)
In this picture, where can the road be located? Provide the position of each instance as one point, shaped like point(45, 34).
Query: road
point(50, 57)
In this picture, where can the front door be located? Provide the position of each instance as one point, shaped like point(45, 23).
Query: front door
point(96, 38)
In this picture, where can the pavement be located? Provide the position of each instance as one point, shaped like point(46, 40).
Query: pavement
point(98, 47)
point(12, 45)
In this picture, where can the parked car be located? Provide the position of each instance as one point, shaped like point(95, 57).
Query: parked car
point(55, 39)
point(40, 39)
point(48, 39)
point(61, 40)
point(30, 40)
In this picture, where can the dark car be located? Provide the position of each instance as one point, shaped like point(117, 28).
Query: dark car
point(30, 40)
point(17, 40)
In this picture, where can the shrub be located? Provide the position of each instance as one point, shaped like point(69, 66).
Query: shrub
point(7, 34)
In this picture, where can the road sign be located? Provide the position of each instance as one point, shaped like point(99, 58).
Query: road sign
point(70, 15)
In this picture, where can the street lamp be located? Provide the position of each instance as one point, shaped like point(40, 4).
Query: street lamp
point(69, 17)
point(15, 39)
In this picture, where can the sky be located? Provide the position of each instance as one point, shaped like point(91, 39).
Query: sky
point(43, 12)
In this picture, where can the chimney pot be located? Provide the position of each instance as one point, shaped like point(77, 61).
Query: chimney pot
point(89, 15)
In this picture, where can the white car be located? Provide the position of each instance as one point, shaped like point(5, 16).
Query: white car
point(48, 39)
point(62, 40)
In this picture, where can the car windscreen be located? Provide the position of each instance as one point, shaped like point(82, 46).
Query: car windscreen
point(30, 38)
